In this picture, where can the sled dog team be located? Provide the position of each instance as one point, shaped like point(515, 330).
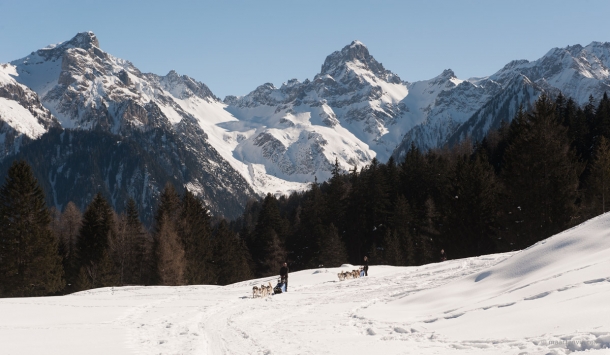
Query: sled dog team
point(263, 291)
point(354, 274)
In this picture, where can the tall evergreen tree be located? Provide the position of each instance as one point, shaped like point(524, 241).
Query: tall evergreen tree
point(472, 201)
point(29, 260)
point(168, 248)
point(230, 256)
point(600, 177)
point(129, 246)
point(68, 229)
point(541, 175)
point(171, 262)
point(195, 232)
point(93, 244)
point(332, 249)
point(267, 245)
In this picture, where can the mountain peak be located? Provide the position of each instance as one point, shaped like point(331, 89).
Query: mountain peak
point(350, 53)
point(84, 40)
point(356, 51)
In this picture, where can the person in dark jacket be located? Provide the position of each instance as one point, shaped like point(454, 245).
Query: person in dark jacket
point(284, 275)
point(443, 255)
point(366, 266)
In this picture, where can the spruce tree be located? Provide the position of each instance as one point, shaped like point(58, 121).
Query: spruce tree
point(541, 175)
point(332, 248)
point(400, 226)
point(93, 243)
point(231, 256)
point(599, 180)
point(268, 250)
point(138, 244)
point(170, 262)
point(29, 260)
point(195, 232)
point(472, 201)
point(69, 225)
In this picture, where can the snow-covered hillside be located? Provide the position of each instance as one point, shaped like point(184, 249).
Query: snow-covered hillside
point(548, 299)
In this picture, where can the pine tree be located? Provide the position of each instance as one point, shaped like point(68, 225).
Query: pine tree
point(171, 263)
point(400, 227)
point(93, 244)
point(195, 232)
point(332, 249)
point(129, 246)
point(68, 228)
point(541, 175)
point(138, 245)
point(168, 249)
point(29, 260)
point(268, 251)
point(600, 175)
point(231, 256)
point(472, 199)
point(393, 248)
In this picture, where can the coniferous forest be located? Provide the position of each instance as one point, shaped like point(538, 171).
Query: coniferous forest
point(548, 170)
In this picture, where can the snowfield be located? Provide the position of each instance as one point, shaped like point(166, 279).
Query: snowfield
point(551, 298)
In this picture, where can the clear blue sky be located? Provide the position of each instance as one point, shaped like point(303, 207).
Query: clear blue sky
point(234, 46)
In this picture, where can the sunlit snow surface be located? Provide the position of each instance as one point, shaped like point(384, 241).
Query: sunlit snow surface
point(551, 298)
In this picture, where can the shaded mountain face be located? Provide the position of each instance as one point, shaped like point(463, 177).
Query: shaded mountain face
point(89, 92)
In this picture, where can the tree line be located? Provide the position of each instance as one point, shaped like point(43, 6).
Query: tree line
point(44, 251)
point(546, 171)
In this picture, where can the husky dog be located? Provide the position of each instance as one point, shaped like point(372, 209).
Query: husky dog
point(256, 292)
point(341, 276)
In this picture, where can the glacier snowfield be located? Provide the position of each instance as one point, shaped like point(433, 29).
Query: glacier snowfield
point(551, 298)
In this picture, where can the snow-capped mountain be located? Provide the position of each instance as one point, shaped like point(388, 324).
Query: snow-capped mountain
point(347, 113)
point(89, 90)
point(575, 71)
point(273, 139)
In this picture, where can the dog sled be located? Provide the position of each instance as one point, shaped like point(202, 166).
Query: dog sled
point(280, 287)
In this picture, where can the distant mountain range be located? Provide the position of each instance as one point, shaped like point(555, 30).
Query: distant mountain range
point(271, 140)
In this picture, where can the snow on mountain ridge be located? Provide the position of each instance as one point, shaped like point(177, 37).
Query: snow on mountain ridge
point(353, 110)
point(22, 116)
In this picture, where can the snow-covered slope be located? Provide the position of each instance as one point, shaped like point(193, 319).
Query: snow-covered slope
point(548, 299)
point(22, 116)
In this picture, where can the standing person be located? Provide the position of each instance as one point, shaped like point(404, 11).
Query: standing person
point(366, 266)
point(443, 255)
point(284, 275)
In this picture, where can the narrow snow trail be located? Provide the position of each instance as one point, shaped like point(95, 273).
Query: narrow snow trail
point(551, 298)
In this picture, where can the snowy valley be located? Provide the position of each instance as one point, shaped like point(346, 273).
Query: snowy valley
point(547, 299)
